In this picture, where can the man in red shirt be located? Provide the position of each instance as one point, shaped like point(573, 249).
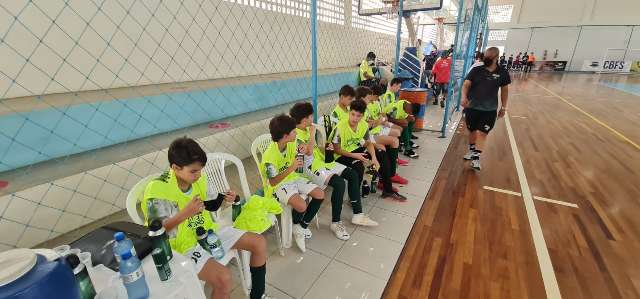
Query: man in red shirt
point(441, 71)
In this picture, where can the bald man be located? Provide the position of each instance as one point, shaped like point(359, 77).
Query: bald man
point(480, 101)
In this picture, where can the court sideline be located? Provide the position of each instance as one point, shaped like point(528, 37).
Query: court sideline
point(473, 240)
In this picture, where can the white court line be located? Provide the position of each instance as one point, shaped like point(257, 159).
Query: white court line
point(544, 261)
point(559, 202)
point(502, 190)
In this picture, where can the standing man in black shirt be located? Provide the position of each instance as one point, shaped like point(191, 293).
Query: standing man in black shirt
point(480, 99)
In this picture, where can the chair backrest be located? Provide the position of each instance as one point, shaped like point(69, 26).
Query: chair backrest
point(258, 146)
point(135, 196)
point(216, 177)
point(321, 137)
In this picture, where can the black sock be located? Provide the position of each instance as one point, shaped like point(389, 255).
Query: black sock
point(353, 189)
point(472, 147)
point(312, 210)
point(257, 281)
point(337, 183)
point(393, 159)
point(296, 216)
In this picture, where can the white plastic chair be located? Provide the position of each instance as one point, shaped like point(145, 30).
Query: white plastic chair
point(217, 182)
point(258, 147)
point(135, 196)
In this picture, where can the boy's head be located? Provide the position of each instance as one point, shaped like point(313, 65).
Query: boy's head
point(282, 128)
point(346, 95)
point(358, 107)
point(364, 93)
point(186, 159)
point(302, 113)
point(394, 85)
point(408, 108)
point(378, 90)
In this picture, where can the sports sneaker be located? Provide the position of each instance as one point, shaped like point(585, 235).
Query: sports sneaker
point(340, 231)
point(468, 155)
point(298, 236)
point(411, 154)
point(413, 145)
point(403, 162)
point(475, 164)
point(394, 196)
point(381, 187)
point(399, 180)
point(414, 137)
point(307, 233)
point(364, 220)
point(265, 296)
point(442, 103)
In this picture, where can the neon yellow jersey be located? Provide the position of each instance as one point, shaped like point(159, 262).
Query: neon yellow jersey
point(350, 140)
point(279, 161)
point(255, 214)
point(318, 156)
point(387, 100)
point(163, 198)
point(397, 110)
point(373, 112)
point(339, 114)
point(365, 68)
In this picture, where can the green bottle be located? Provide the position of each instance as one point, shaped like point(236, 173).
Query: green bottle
point(159, 238)
point(82, 277)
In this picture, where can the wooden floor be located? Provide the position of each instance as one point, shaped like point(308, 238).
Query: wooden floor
point(469, 242)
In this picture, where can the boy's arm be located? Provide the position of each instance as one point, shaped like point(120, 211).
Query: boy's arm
point(338, 149)
point(276, 179)
point(168, 212)
point(312, 140)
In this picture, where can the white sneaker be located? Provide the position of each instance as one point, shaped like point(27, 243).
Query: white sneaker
point(307, 233)
point(340, 231)
point(475, 164)
point(468, 155)
point(265, 296)
point(298, 236)
point(364, 220)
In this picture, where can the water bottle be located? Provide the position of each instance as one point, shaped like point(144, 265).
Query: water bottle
point(122, 245)
point(300, 156)
point(201, 235)
point(215, 245)
point(82, 277)
point(159, 238)
point(133, 277)
point(374, 182)
point(365, 188)
point(236, 208)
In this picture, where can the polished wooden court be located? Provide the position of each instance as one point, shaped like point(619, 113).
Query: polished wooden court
point(578, 144)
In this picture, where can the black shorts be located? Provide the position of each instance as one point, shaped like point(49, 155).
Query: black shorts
point(478, 120)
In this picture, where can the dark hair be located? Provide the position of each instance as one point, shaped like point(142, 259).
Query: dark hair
point(347, 91)
point(281, 125)
point(378, 89)
point(395, 81)
point(363, 91)
point(371, 55)
point(479, 55)
point(185, 151)
point(301, 110)
point(358, 105)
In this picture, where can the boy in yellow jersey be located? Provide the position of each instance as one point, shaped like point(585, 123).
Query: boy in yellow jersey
point(401, 114)
point(355, 146)
point(279, 166)
point(381, 134)
point(341, 111)
point(367, 78)
point(177, 199)
point(328, 174)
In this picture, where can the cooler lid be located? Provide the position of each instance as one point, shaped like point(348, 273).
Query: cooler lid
point(15, 263)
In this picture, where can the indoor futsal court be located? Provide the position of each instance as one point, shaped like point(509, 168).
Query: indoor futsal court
point(319, 149)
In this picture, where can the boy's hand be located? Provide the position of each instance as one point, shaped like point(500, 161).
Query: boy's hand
point(230, 196)
point(411, 118)
point(465, 102)
point(360, 156)
point(380, 147)
point(376, 164)
point(329, 146)
point(194, 207)
point(297, 163)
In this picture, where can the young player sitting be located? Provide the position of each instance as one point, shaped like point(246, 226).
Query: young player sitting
point(386, 137)
point(279, 165)
point(354, 145)
point(176, 198)
point(401, 114)
point(341, 111)
point(332, 174)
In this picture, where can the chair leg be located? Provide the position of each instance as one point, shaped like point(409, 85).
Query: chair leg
point(241, 270)
point(318, 221)
point(276, 225)
point(286, 222)
point(245, 259)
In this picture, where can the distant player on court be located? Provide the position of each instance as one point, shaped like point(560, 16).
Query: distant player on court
point(480, 99)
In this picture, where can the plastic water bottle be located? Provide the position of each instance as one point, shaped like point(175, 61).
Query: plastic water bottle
point(133, 277)
point(122, 245)
point(374, 182)
point(82, 277)
point(365, 189)
point(201, 234)
point(215, 245)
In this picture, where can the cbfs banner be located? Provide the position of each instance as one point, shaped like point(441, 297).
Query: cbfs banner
point(607, 66)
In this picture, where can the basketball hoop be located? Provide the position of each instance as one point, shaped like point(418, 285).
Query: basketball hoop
point(391, 9)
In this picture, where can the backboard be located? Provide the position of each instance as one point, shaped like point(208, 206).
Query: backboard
point(381, 7)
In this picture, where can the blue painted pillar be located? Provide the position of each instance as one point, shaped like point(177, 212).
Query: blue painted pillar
point(314, 58)
point(398, 40)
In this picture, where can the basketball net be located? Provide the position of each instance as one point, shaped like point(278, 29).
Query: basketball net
point(391, 9)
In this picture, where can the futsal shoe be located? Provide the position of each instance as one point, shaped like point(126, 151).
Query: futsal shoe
point(403, 162)
point(381, 187)
point(394, 196)
point(340, 231)
point(363, 220)
point(475, 164)
point(413, 145)
point(414, 137)
point(298, 236)
point(399, 180)
point(468, 155)
point(411, 154)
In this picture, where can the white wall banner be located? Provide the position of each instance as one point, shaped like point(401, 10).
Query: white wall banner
point(606, 66)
